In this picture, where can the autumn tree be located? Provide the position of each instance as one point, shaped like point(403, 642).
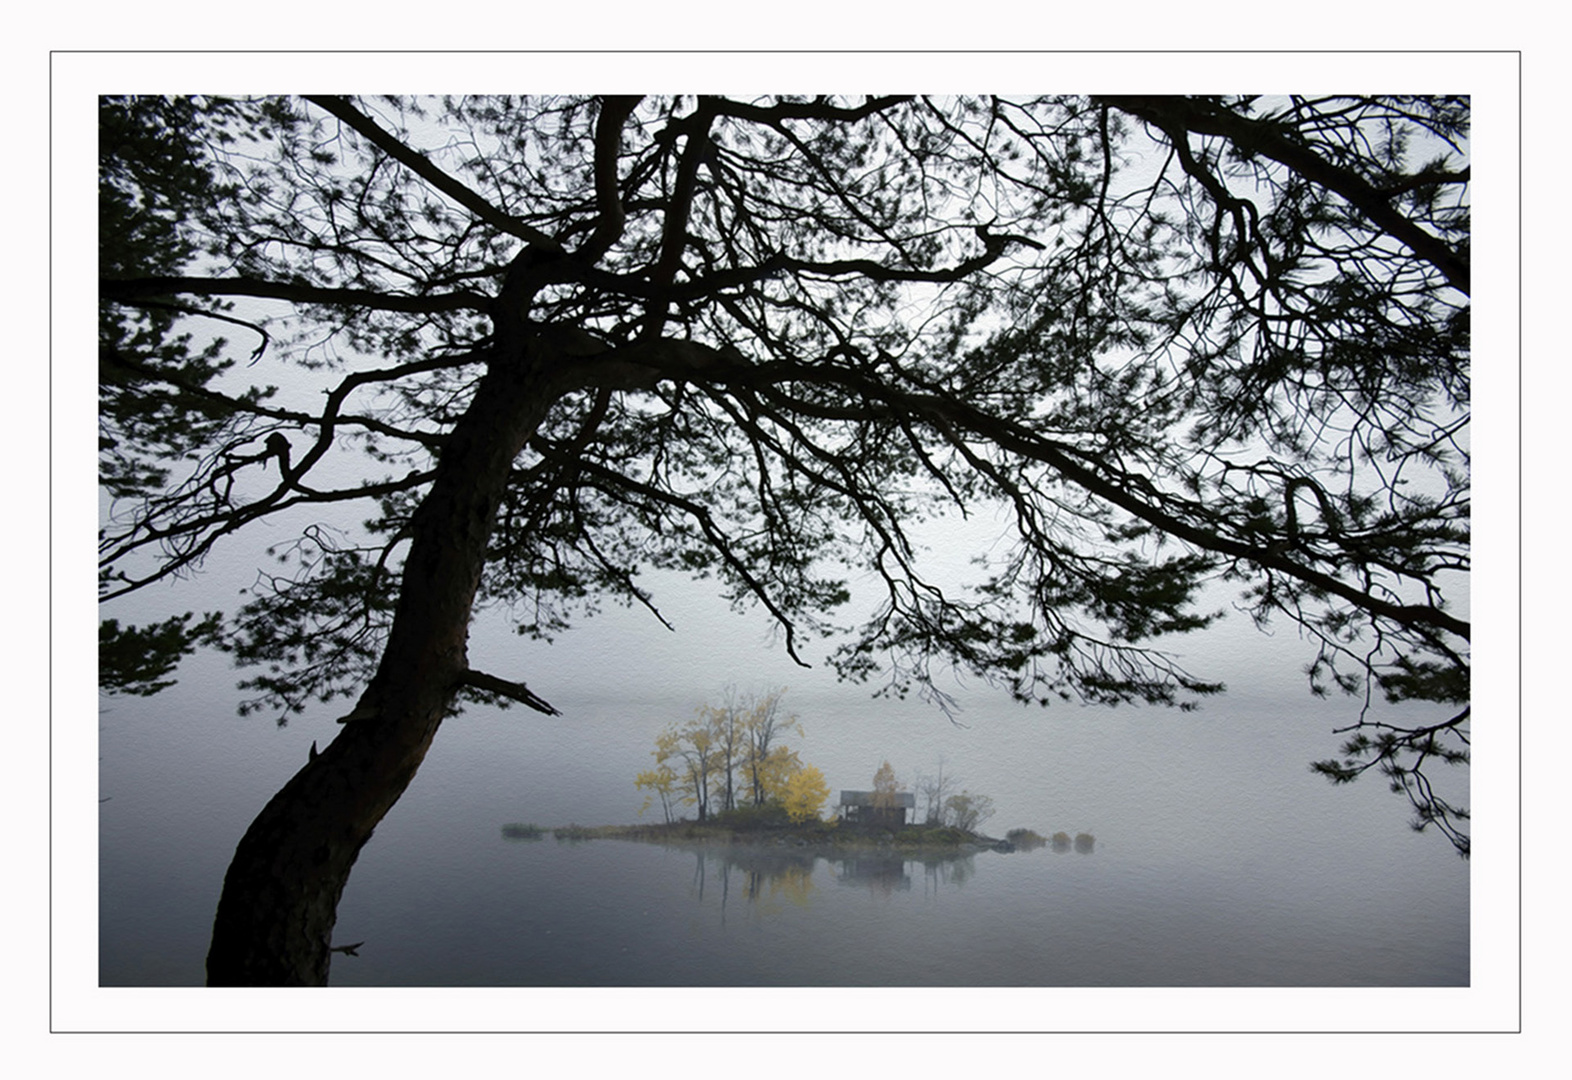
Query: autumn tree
point(886, 789)
point(767, 762)
point(661, 783)
point(747, 730)
point(804, 794)
point(756, 341)
point(688, 757)
point(727, 751)
point(728, 735)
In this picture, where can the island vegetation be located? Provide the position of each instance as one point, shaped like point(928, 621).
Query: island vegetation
point(729, 757)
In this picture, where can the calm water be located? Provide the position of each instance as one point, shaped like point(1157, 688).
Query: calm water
point(623, 913)
point(1219, 858)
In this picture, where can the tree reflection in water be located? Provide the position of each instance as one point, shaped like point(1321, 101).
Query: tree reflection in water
point(767, 877)
point(1084, 843)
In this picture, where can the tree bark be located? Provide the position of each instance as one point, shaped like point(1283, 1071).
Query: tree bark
point(276, 913)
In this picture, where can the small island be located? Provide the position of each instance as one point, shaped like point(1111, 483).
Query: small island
point(771, 827)
point(751, 792)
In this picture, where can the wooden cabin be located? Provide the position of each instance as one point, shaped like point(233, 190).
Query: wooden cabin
point(862, 808)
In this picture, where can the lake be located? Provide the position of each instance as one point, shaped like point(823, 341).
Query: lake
point(1220, 859)
point(629, 913)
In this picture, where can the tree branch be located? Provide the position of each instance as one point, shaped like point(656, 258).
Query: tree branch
point(612, 482)
point(514, 691)
point(614, 112)
point(1015, 438)
point(422, 167)
point(1176, 116)
point(133, 289)
point(806, 110)
point(116, 358)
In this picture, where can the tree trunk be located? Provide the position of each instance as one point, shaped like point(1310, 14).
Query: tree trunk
point(275, 917)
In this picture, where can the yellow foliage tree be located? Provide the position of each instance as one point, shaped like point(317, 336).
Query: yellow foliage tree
point(804, 794)
point(660, 782)
point(725, 725)
point(774, 773)
point(692, 750)
point(885, 788)
point(766, 763)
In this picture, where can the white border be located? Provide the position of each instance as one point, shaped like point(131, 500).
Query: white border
point(1490, 1004)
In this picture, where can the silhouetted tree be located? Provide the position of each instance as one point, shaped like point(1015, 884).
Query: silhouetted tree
point(756, 340)
point(935, 789)
point(967, 811)
point(137, 660)
point(765, 761)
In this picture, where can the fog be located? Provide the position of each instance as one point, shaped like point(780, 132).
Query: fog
point(1207, 805)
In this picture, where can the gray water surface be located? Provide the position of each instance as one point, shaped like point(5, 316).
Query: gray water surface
point(628, 913)
point(1219, 858)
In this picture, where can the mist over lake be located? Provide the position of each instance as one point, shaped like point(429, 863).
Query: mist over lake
point(1219, 858)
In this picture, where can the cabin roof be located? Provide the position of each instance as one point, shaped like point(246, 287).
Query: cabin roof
point(904, 799)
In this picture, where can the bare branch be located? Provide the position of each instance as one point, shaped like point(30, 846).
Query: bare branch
point(515, 691)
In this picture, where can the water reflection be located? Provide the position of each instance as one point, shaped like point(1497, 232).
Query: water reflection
point(880, 875)
point(618, 912)
point(763, 879)
point(952, 870)
point(790, 882)
point(1084, 843)
point(767, 877)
